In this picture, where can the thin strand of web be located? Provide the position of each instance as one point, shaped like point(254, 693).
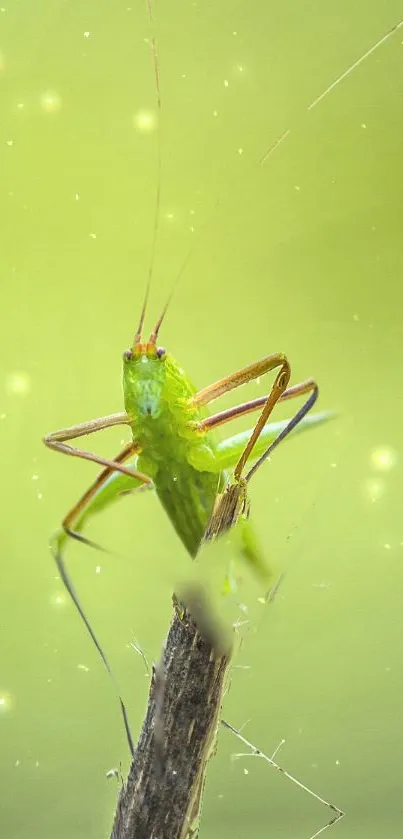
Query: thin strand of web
point(255, 752)
point(389, 34)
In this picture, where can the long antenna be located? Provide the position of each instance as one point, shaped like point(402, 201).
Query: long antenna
point(154, 335)
point(154, 56)
point(334, 84)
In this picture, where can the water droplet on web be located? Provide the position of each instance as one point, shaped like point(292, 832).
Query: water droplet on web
point(51, 102)
point(383, 458)
point(145, 122)
point(374, 489)
point(6, 702)
point(57, 600)
point(18, 383)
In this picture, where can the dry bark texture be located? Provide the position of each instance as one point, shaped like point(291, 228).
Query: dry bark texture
point(162, 796)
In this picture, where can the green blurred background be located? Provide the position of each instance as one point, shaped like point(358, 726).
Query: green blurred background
point(302, 254)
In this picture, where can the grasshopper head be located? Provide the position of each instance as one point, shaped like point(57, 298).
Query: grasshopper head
point(144, 370)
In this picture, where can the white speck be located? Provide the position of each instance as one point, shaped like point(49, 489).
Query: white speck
point(93, 235)
point(226, 83)
point(39, 496)
point(240, 68)
point(144, 359)
point(333, 465)
point(383, 458)
point(387, 546)
point(261, 600)
point(246, 771)
point(20, 106)
point(145, 122)
point(240, 151)
point(35, 477)
point(337, 763)
point(363, 125)
point(9, 142)
point(87, 34)
point(297, 188)
point(77, 196)
point(37, 763)
point(51, 102)
point(17, 763)
point(98, 569)
point(18, 383)
point(174, 772)
point(83, 667)
point(356, 317)
point(3, 416)
point(235, 33)
point(215, 113)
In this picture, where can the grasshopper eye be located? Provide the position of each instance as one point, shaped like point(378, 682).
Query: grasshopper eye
point(161, 352)
point(127, 355)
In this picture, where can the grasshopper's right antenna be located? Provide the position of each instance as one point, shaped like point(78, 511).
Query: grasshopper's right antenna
point(154, 55)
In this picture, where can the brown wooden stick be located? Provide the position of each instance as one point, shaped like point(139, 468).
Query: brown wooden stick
point(162, 796)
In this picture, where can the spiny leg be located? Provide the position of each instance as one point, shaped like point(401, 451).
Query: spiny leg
point(100, 481)
point(231, 507)
point(56, 440)
point(293, 422)
point(252, 405)
point(240, 377)
point(247, 374)
point(267, 404)
point(57, 553)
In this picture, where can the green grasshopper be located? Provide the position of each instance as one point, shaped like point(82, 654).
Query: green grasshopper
point(175, 451)
point(174, 448)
